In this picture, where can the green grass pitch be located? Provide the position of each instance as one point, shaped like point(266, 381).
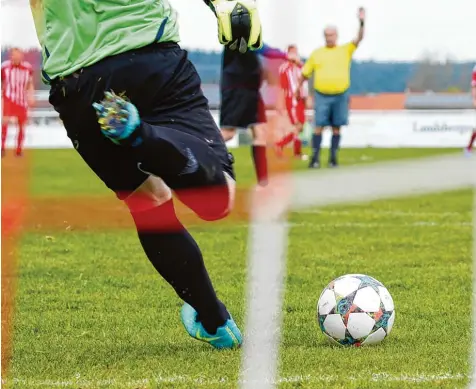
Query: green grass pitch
point(92, 313)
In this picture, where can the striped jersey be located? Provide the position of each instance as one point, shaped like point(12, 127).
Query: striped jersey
point(289, 74)
point(15, 81)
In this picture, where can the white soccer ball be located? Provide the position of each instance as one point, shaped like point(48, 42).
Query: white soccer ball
point(355, 310)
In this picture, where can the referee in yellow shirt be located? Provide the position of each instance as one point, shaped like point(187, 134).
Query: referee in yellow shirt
point(330, 66)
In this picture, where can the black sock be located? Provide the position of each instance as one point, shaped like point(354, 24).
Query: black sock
point(335, 141)
point(176, 256)
point(316, 147)
point(261, 163)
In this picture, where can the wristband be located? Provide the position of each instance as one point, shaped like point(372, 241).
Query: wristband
point(362, 23)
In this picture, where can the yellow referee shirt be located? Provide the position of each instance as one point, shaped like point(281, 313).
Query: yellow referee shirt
point(331, 68)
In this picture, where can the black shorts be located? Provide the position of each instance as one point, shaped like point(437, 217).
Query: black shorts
point(241, 108)
point(165, 87)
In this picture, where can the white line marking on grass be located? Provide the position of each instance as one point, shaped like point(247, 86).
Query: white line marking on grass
point(268, 236)
point(200, 381)
point(375, 212)
point(310, 224)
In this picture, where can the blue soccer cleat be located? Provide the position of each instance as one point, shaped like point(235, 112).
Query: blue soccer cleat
point(228, 336)
point(118, 118)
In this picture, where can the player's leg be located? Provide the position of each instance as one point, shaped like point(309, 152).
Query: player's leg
point(6, 117)
point(168, 245)
point(228, 133)
point(300, 120)
point(259, 131)
point(244, 108)
point(472, 139)
point(21, 120)
point(289, 136)
point(258, 152)
point(5, 121)
point(322, 111)
point(297, 143)
point(339, 118)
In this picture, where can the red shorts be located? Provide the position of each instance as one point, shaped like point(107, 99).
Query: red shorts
point(296, 111)
point(11, 109)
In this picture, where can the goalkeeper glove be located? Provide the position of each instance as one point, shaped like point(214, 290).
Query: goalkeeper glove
point(239, 25)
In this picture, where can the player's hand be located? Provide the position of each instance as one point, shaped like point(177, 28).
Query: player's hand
point(361, 14)
point(239, 25)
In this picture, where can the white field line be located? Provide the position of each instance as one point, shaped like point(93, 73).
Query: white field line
point(391, 213)
point(269, 234)
point(310, 224)
point(198, 381)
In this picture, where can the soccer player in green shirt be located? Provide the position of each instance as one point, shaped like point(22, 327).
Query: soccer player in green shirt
point(132, 105)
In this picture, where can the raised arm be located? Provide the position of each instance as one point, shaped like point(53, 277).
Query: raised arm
point(361, 32)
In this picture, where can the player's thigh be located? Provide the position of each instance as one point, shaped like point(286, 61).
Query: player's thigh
point(301, 112)
point(8, 112)
point(340, 111)
point(240, 108)
point(322, 110)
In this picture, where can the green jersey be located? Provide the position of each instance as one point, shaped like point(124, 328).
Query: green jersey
point(78, 33)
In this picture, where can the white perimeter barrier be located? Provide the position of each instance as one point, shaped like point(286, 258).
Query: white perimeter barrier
point(390, 129)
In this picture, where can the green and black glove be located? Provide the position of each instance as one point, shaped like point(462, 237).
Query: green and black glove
point(239, 25)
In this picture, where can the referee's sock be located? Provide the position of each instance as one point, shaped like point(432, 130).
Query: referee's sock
point(260, 163)
point(176, 256)
point(335, 142)
point(316, 148)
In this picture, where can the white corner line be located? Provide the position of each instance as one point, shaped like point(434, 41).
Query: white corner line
point(268, 239)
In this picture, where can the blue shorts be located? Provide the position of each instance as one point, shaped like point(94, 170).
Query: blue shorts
point(331, 110)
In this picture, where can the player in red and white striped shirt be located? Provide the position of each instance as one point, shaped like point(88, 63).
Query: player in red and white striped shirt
point(473, 93)
point(17, 95)
point(295, 108)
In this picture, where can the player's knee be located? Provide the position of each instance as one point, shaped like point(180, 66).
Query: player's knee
point(259, 134)
point(336, 130)
point(152, 193)
point(213, 202)
point(228, 133)
point(318, 130)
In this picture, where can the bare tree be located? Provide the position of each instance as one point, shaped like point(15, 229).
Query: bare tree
point(432, 73)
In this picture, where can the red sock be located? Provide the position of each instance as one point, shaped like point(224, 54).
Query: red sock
point(297, 146)
point(285, 140)
point(4, 135)
point(471, 141)
point(21, 137)
point(261, 163)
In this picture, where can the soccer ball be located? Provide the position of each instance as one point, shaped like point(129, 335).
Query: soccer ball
point(355, 310)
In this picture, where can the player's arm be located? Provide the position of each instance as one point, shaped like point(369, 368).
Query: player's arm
point(361, 32)
point(283, 85)
point(30, 90)
point(306, 74)
point(271, 52)
point(239, 25)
